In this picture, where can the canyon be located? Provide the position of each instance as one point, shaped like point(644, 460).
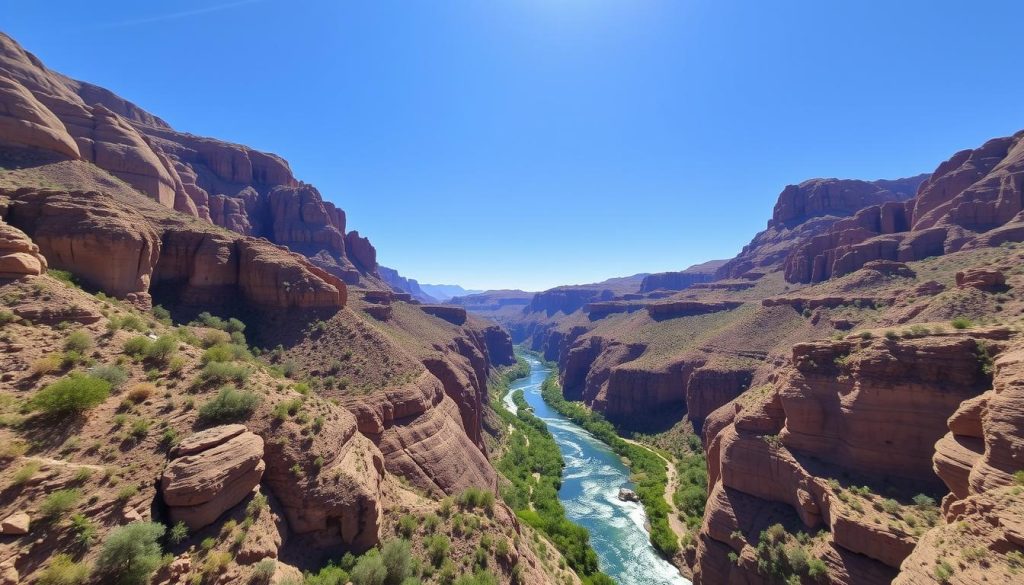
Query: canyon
point(260, 388)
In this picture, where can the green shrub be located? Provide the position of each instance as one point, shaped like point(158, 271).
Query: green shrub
point(113, 374)
point(224, 352)
point(162, 314)
point(6, 317)
point(85, 529)
point(78, 341)
point(437, 548)
point(137, 346)
point(230, 405)
point(72, 394)
point(263, 572)
point(369, 570)
point(222, 372)
point(162, 349)
point(63, 276)
point(179, 532)
point(59, 503)
point(64, 571)
point(397, 558)
point(923, 501)
point(961, 323)
point(943, 572)
point(407, 525)
point(817, 569)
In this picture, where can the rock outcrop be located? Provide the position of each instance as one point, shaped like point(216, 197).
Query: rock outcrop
point(417, 428)
point(873, 409)
point(19, 256)
point(698, 273)
point(210, 472)
point(971, 200)
point(399, 283)
point(808, 209)
point(233, 186)
point(128, 251)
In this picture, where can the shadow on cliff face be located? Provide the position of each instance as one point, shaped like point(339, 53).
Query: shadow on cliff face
point(265, 327)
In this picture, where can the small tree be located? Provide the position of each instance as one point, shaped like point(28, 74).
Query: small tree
point(131, 553)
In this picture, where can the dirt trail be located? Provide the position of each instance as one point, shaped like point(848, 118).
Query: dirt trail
point(674, 522)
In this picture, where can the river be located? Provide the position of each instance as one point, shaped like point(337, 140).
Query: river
point(590, 485)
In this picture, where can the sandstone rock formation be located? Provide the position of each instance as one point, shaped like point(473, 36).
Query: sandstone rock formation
point(233, 186)
point(981, 278)
point(15, 525)
point(400, 283)
point(695, 274)
point(870, 408)
point(121, 247)
point(210, 472)
point(18, 255)
point(973, 199)
point(808, 209)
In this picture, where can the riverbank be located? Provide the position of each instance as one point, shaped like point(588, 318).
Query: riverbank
point(592, 478)
point(532, 465)
point(649, 470)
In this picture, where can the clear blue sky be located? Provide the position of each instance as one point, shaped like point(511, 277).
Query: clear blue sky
point(529, 143)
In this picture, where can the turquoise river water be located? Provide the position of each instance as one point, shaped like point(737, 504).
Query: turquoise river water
point(590, 485)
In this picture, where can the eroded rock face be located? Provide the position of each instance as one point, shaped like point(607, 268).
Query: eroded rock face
point(971, 200)
point(811, 208)
point(211, 472)
point(19, 256)
point(981, 278)
point(681, 280)
point(420, 433)
point(873, 408)
point(233, 186)
point(125, 251)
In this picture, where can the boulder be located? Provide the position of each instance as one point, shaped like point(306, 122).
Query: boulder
point(981, 278)
point(15, 524)
point(19, 256)
point(210, 473)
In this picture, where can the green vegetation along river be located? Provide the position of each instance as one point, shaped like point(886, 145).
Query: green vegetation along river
point(591, 480)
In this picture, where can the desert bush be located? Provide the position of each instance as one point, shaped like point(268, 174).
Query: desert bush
point(178, 534)
point(131, 553)
point(162, 314)
point(263, 572)
point(85, 529)
point(224, 352)
point(72, 394)
point(25, 473)
point(46, 365)
point(63, 570)
point(961, 322)
point(137, 346)
point(221, 372)
point(437, 548)
point(162, 349)
point(113, 374)
point(369, 570)
point(397, 558)
point(59, 503)
point(78, 341)
point(230, 405)
point(6, 317)
point(141, 392)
